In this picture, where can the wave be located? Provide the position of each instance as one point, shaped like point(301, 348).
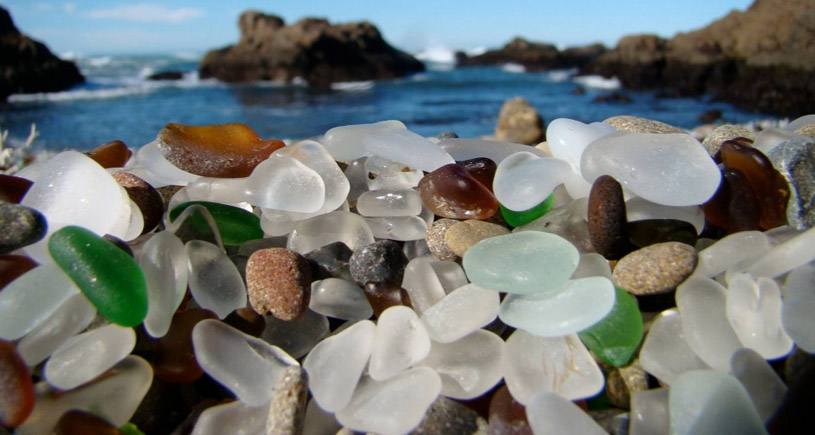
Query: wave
point(100, 62)
point(513, 68)
point(190, 80)
point(352, 86)
point(561, 75)
point(437, 54)
point(598, 82)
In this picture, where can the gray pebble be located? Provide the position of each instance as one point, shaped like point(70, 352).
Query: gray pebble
point(713, 142)
point(795, 160)
point(449, 417)
point(636, 124)
point(287, 410)
point(20, 226)
point(381, 261)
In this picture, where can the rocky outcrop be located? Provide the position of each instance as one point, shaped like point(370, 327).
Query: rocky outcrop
point(519, 122)
point(29, 66)
point(762, 59)
point(534, 56)
point(313, 49)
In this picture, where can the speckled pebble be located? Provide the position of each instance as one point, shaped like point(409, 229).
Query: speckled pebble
point(436, 240)
point(607, 218)
point(287, 411)
point(381, 261)
point(623, 382)
point(449, 417)
point(807, 130)
point(464, 234)
point(655, 269)
point(20, 226)
point(278, 281)
point(640, 125)
point(146, 197)
point(724, 133)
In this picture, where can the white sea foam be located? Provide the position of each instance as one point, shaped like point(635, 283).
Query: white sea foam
point(114, 88)
point(477, 51)
point(353, 86)
point(437, 54)
point(598, 82)
point(100, 61)
point(513, 68)
point(561, 75)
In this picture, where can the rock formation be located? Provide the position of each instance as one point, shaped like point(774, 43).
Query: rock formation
point(762, 59)
point(28, 66)
point(313, 49)
point(534, 56)
point(519, 122)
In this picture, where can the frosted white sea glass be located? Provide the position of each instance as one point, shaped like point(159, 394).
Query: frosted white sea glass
point(86, 356)
point(339, 298)
point(406, 147)
point(214, 281)
point(32, 298)
point(524, 180)
point(551, 413)
point(754, 312)
point(762, 383)
point(284, 183)
point(314, 155)
point(345, 142)
point(163, 260)
point(461, 312)
point(335, 226)
point(469, 366)
point(665, 353)
point(71, 318)
point(400, 341)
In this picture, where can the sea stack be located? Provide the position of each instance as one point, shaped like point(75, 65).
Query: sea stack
point(313, 49)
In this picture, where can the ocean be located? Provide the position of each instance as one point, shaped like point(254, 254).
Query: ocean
point(117, 102)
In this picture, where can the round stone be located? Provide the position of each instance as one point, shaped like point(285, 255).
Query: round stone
point(20, 226)
point(381, 261)
point(436, 239)
point(713, 141)
point(279, 281)
point(655, 269)
point(145, 196)
point(461, 236)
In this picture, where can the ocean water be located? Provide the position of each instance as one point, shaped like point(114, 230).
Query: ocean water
point(117, 102)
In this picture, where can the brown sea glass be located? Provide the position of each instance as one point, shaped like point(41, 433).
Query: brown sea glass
point(146, 197)
point(16, 388)
point(382, 295)
point(770, 188)
point(174, 357)
point(113, 154)
point(76, 422)
point(507, 416)
point(12, 266)
point(734, 206)
point(451, 192)
point(220, 150)
point(482, 169)
point(13, 189)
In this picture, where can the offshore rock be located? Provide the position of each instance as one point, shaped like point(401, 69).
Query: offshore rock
point(29, 66)
point(534, 56)
point(314, 49)
point(519, 122)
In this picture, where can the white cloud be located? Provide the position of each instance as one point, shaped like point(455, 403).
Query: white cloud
point(69, 7)
point(147, 12)
point(44, 7)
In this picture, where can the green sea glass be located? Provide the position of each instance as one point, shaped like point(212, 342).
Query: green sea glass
point(518, 218)
point(615, 338)
point(106, 275)
point(236, 225)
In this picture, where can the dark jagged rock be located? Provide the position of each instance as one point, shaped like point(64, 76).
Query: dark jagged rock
point(534, 56)
point(313, 49)
point(762, 59)
point(166, 76)
point(29, 66)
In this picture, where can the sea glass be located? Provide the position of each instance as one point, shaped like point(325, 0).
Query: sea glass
point(107, 276)
point(615, 338)
point(214, 281)
point(113, 154)
point(17, 400)
point(88, 355)
point(518, 218)
point(469, 366)
point(524, 180)
point(236, 225)
point(451, 192)
point(174, 355)
point(400, 341)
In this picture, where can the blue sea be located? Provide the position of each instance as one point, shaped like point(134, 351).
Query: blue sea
point(117, 102)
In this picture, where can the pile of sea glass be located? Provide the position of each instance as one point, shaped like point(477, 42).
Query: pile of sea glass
point(434, 268)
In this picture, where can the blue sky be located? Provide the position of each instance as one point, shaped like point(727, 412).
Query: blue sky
point(121, 27)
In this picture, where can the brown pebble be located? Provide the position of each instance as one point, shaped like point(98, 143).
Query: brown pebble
point(623, 382)
point(655, 269)
point(461, 236)
point(435, 239)
point(146, 197)
point(607, 218)
point(640, 125)
point(383, 295)
point(278, 281)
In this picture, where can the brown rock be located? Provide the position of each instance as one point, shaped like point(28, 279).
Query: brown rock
point(461, 236)
point(623, 382)
point(314, 49)
point(607, 218)
point(278, 282)
point(713, 142)
point(147, 198)
point(519, 122)
point(655, 269)
point(534, 56)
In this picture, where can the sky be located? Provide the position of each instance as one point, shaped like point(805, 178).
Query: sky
point(109, 27)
